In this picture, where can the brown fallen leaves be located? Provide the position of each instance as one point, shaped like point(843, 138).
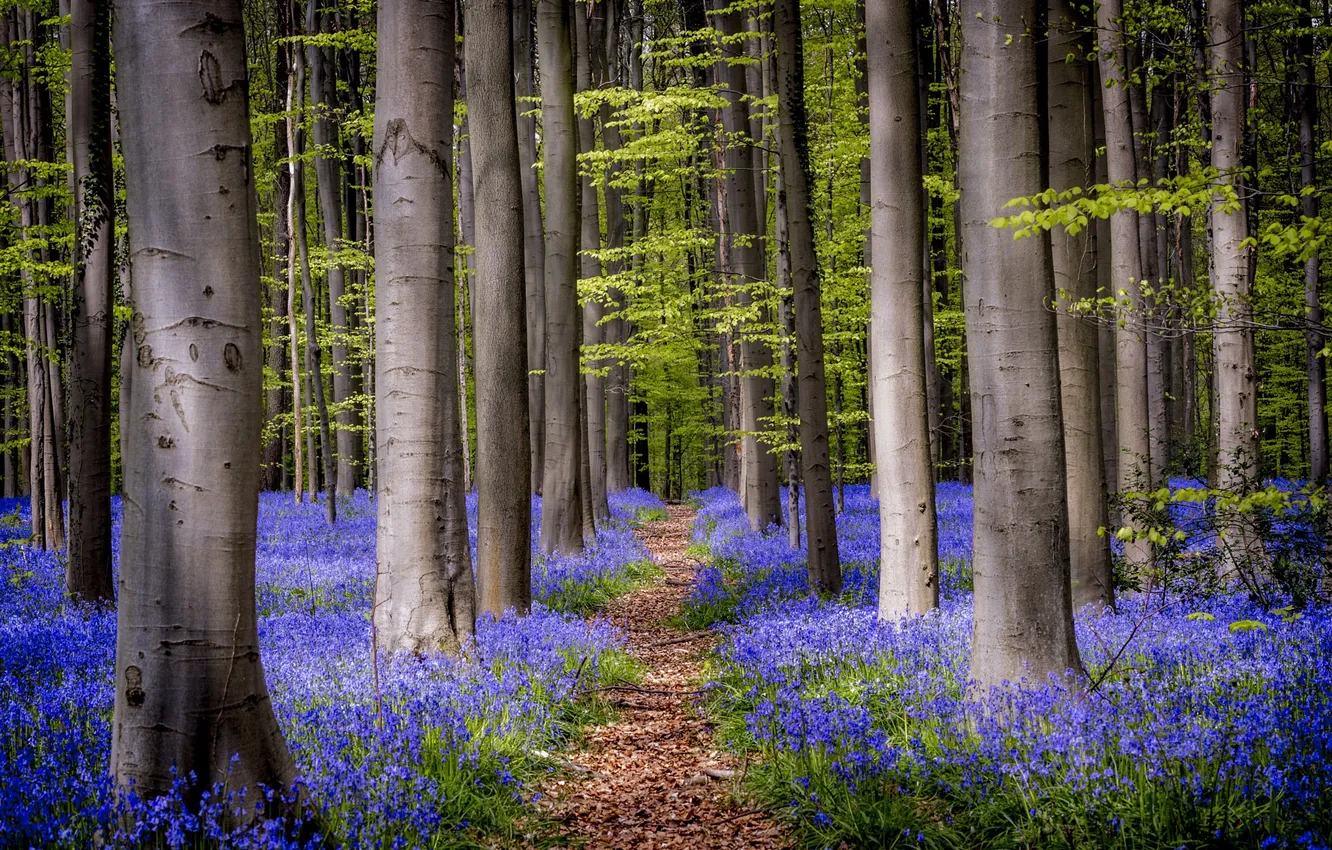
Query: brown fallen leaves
point(653, 778)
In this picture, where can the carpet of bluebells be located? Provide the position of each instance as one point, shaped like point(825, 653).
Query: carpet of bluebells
point(1201, 723)
point(439, 754)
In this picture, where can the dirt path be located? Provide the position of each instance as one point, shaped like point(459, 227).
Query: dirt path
point(643, 782)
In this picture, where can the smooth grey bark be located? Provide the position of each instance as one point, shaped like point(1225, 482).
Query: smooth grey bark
point(908, 533)
point(314, 353)
point(425, 596)
point(824, 564)
point(1023, 601)
point(504, 506)
point(275, 396)
point(88, 567)
point(297, 408)
point(1232, 338)
point(594, 384)
point(1313, 309)
point(534, 246)
point(13, 382)
point(616, 325)
point(328, 179)
point(790, 385)
point(745, 236)
point(561, 503)
point(190, 693)
point(1075, 263)
point(1133, 459)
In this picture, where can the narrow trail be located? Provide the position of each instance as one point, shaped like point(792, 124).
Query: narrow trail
point(654, 777)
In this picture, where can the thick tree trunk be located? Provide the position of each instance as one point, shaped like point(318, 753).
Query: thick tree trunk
point(1232, 343)
point(761, 494)
point(534, 253)
point(1133, 461)
point(825, 569)
point(617, 327)
point(88, 569)
point(1072, 150)
point(1023, 600)
point(192, 404)
point(561, 503)
point(328, 175)
point(425, 596)
point(504, 504)
point(908, 536)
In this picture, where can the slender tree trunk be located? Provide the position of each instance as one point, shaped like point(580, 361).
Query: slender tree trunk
point(908, 536)
point(825, 570)
point(1236, 377)
point(425, 597)
point(504, 505)
point(13, 382)
point(314, 369)
point(1313, 310)
point(617, 382)
point(790, 380)
point(747, 266)
point(1072, 150)
point(534, 253)
point(193, 413)
point(1133, 462)
point(88, 569)
point(1023, 600)
point(594, 385)
point(275, 400)
point(561, 503)
point(328, 176)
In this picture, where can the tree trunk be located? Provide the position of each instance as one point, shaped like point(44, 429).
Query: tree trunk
point(1313, 310)
point(328, 175)
point(1133, 462)
point(561, 503)
point(1023, 601)
point(593, 384)
point(314, 370)
point(534, 253)
point(192, 404)
point(825, 569)
point(747, 266)
point(1236, 390)
point(617, 327)
point(425, 596)
point(88, 569)
point(1075, 261)
point(790, 380)
point(504, 503)
point(908, 536)
point(275, 400)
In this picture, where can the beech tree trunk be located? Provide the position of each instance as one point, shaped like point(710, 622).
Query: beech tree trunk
point(1075, 261)
point(88, 568)
point(534, 246)
point(761, 492)
point(328, 176)
point(1133, 461)
point(908, 534)
point(504, 506)
point(561, 503)
point(1232, 340)
point(275, 397)
point(425, 596)
point(1023, 600)
point(297, 408)
point(1313, 310)
point(192, 403)
point(824, 565)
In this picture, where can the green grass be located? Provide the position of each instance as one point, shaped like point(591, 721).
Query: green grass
point(586, 597)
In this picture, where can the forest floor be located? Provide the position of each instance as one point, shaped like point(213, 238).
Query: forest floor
point(654, 777)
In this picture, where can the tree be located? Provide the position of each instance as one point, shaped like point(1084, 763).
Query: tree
point(561, 502)
point(88, 570)
point(1075, 256)
point(908, 535)
point(424, 590)
point(1131, 390)
point(825, 570)
point(534, 247)
point(504, 508)
point(189, 681)
point(1023, 604)
point(1316, 364)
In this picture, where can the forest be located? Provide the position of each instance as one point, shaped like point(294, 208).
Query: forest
point(665, 423)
